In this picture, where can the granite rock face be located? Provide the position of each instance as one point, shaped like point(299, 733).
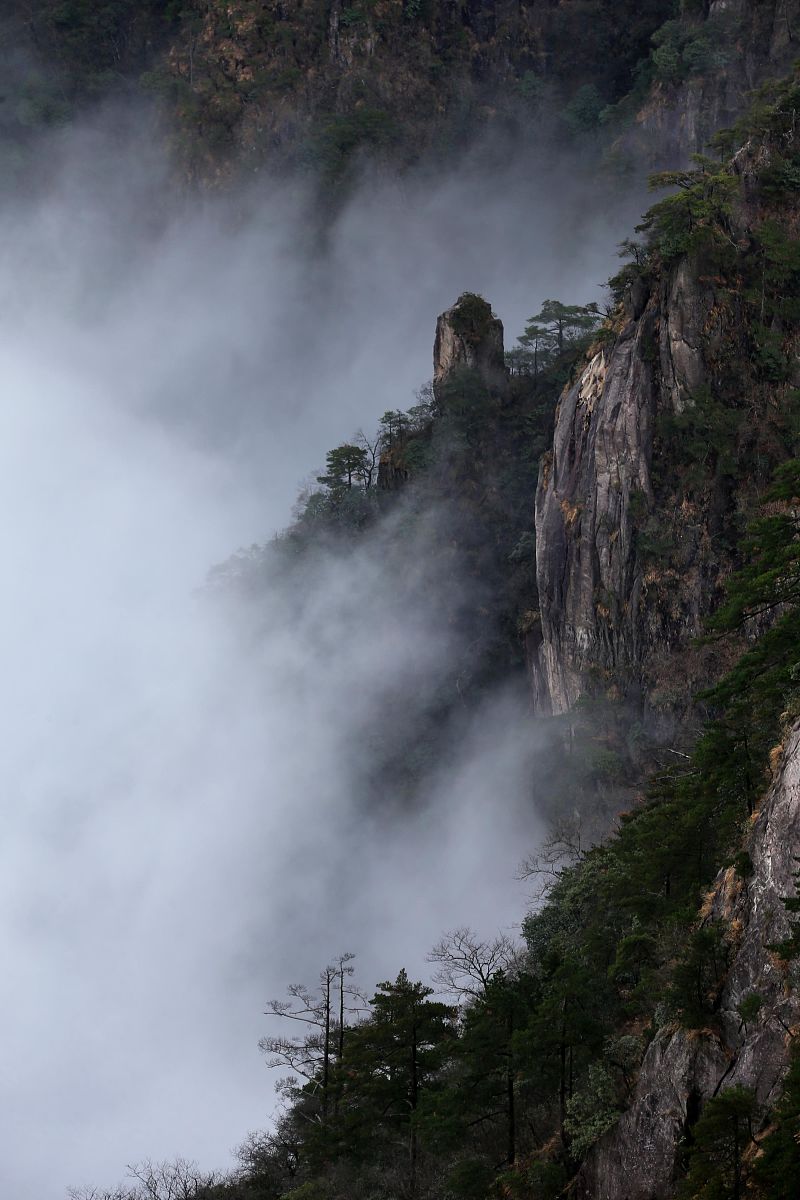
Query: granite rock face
point(470, 337)
point(684, 336)
point(589, 582)
point(614, 614)
point(683, 1069)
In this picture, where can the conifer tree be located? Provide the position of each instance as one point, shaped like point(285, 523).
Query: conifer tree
point(557, 324)
point(777, 1168)
point(720, 1138)
point(393, 1058)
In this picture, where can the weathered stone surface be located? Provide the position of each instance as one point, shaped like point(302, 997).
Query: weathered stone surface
point(587, 571)
point(682, 1070)
point(469, 336)
point(637, 1160)
point(683, 337)
point(612, 615)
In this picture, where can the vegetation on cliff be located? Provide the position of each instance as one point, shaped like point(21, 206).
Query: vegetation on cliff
point(325, 85)
point(506, 1090)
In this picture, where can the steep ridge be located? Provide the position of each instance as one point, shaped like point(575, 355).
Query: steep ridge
point(585, 539)
point(618, 614)
point(663, 444)
point(603, 608)
point(684, 1069)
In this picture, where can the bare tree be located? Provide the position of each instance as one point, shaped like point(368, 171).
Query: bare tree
point(561, 849)
point(368, 471)
point(93, 1193)
point(302, 1053)
point(467, 963)
point(176, 1180)
point(273, 1155)
point(309, 1055)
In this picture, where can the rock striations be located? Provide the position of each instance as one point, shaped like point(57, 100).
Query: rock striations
point(611, 615)
point(590, 584)
point(635, 534)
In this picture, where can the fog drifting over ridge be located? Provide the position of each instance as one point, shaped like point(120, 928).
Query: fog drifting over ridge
point(182, 830)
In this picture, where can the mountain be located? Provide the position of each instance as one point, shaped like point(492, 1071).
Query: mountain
point(639, 1043)
point(246, 85)
point(602, 523)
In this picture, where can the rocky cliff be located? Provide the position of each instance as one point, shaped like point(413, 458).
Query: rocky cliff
point(612, 612)
point(322, 81)
point(683, 1069)
point(590, 582)
point(736, 44)
point(663, 444)
point(654, 472)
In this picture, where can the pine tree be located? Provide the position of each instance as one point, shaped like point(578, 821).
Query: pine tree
point(777, 1169)
point(393, 1058)
point(720, 1138)
point(557, 324)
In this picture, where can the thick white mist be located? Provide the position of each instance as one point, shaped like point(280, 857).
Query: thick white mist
point(182, 831)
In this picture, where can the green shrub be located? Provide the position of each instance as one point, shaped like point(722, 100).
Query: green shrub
point(697, 978)
point(470, 1179)
point(344, 135)
point(592, 1111)
point(582, 114)
point(471, 317)
point(667, 62)
point(349, 17)
point(719, 1141)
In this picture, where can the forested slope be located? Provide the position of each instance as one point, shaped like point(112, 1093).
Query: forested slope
point(323, 86)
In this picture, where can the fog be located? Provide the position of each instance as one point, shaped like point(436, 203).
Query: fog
point(183, 826)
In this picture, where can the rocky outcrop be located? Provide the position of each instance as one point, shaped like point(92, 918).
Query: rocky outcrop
point(684, 1069)
point(470, 337)
point(684, 337)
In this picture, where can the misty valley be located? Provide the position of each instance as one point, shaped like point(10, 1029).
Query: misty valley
point(401, 620)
